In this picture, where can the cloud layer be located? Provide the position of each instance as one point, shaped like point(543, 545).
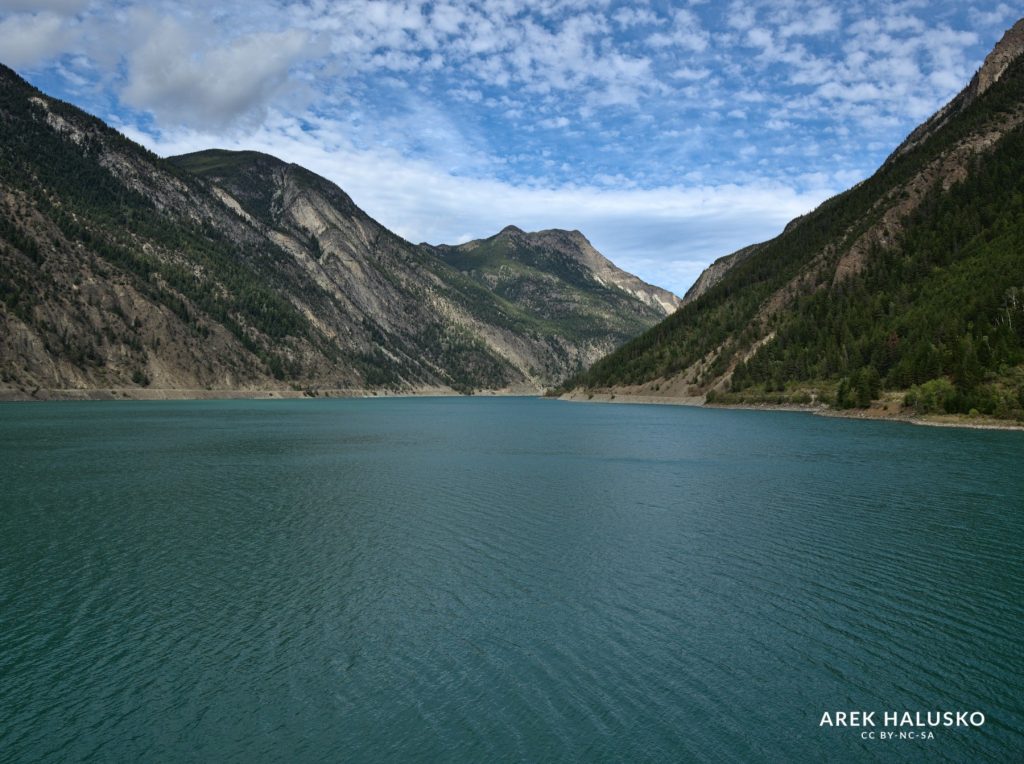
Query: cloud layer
point(669, 135)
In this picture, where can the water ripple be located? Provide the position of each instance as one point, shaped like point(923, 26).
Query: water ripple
point(499, 580)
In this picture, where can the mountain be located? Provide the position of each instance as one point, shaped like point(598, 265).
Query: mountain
point(906, 289)
point(553, 274)
point(233, 271)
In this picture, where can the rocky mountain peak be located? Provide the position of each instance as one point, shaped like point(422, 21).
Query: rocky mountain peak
point(1002, 55)
point(1005, 52)
point(575, 246)
point(567, 252)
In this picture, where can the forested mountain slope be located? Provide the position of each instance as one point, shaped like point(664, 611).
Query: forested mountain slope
point(912, 281)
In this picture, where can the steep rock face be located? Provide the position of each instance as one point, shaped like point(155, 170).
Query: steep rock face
point(235, 271)
point(998, 61)
point(104, 267)
point(545, 328)
point(569, 253)
point(913, 276)
point(1006, 51)
point(714, 272)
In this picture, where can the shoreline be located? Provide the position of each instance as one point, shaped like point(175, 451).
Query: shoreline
point(879, 415)
point(14, 395)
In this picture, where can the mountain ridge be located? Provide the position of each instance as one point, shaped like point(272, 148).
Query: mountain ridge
point(572, 246)
point(237, 271)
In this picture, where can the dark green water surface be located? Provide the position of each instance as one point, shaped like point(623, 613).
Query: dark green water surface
point(477, 580)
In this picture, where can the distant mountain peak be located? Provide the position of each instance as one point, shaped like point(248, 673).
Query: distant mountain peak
point(571, 249)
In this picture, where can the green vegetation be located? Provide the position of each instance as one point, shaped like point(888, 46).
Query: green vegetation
point(541, 290)
point(533, 292)
point(500, 254)
point(245, 173)
point(947, 302)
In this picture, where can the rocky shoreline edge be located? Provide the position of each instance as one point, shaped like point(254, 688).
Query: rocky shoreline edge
point(880, 413)
point(201, 394)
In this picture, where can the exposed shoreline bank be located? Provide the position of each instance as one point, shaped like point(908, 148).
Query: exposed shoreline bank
point(203, 394)
point(878, 414)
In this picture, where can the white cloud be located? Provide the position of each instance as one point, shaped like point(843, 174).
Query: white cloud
point(686, 33)
point(178, 77)
point(741, 16)
point(818, 21)
point(902, 23)
point(666, 234)
point(28, 40)
point(632, 17)
point(691, 73)
point(448, 94)
point(1001, 14)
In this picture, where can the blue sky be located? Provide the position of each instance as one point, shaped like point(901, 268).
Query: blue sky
point(670, 133)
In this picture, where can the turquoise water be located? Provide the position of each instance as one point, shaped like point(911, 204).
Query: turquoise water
point(500, 580)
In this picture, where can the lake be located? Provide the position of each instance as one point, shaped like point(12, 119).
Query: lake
point(502, 579)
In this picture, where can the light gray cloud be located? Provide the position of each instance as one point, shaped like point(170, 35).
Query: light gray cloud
point(180, 78)
point(30, 39)
point(998, 16)
point(691, 73)
point(815, 22)
point(741, 16)
point(633, 17)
